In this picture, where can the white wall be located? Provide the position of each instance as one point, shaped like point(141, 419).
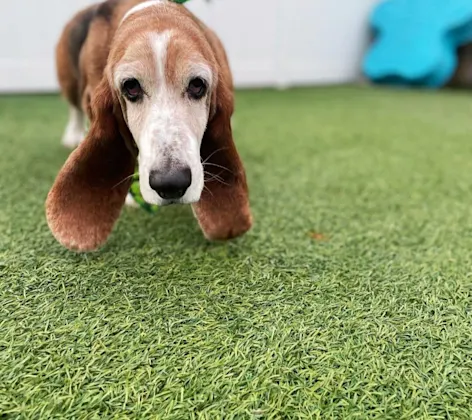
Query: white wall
point(269, 42)
point(29, 30)
point(287, 42)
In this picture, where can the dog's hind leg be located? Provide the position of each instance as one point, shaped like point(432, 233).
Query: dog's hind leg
point(69, 74)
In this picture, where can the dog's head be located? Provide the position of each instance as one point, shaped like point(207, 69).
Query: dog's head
point(166, 101)
point(166, 78)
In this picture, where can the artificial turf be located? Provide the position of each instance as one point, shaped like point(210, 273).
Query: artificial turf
point(350, 298)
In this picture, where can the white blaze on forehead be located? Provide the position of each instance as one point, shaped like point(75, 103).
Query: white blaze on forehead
point(142, 6)
point(160, 42)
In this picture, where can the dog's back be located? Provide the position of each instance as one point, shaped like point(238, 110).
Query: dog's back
point(68, 53)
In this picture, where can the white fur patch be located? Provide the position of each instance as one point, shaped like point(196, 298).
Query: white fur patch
point(75, 130)
point(142, 6)
point(160, 43)
point(130, 202)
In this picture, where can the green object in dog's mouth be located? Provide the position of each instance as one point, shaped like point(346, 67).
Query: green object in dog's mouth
point(135, 192)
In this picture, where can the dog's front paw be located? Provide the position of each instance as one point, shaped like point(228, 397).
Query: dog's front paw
point(76, 129)
point(72, 137)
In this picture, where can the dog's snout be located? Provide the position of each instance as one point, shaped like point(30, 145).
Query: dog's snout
point(171, 185)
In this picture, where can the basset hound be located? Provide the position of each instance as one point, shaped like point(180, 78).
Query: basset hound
point(156, 87)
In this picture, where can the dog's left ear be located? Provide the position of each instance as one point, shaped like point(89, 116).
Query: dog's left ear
point(223, 211)
point(90, 190)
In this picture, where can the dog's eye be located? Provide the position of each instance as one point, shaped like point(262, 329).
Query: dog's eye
point(197, 88)
point(132, 90)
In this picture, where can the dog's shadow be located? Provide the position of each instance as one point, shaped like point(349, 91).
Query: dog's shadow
point(174, 224)
point(173, 230)
point(148, 248)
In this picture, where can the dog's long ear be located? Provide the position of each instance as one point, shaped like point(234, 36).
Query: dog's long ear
point(89, 192)
point(223, 211)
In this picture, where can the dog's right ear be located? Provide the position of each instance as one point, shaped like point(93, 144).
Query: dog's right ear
point(90, 189)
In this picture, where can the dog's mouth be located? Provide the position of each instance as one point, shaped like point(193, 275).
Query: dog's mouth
point(172, 202)
point(160, 202)
point(179, 201)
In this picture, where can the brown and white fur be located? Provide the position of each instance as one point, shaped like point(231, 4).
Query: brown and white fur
point(168, 128)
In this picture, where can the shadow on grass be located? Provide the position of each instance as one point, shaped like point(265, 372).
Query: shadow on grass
point(171, 234)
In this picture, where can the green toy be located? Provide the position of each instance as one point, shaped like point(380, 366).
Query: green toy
point(135, 192)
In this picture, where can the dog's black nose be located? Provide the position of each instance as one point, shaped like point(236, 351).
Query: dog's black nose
point(171, 185)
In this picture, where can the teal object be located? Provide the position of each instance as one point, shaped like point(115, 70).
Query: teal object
point(416, 41)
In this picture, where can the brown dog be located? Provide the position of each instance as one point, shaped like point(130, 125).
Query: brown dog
point(156, 86)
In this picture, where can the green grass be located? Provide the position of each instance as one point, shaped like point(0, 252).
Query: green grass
point(350, 298)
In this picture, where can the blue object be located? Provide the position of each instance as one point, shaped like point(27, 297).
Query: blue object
point(416, 41)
